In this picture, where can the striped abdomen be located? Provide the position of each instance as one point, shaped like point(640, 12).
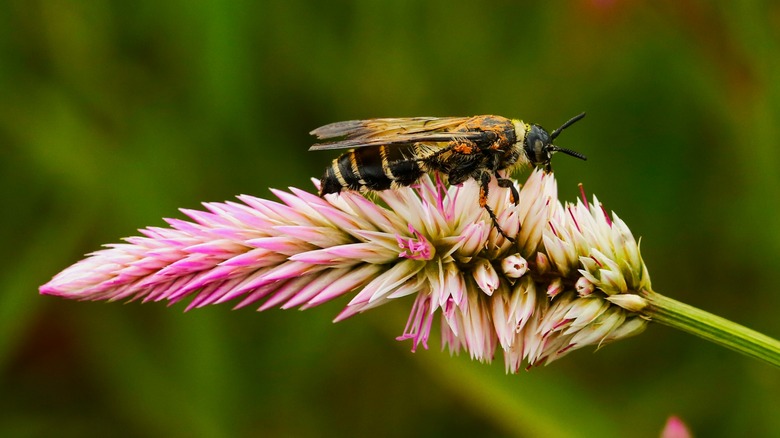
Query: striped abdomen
point(372, 168)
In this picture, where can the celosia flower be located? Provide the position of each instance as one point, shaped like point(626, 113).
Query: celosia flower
point(568, 281)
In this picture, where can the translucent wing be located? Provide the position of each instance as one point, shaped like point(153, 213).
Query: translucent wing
point(378, 132)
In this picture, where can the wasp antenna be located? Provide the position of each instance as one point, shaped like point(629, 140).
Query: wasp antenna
point(569, 152)
point(566, 125)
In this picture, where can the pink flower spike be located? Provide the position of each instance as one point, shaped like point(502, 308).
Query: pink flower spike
point(567, 281)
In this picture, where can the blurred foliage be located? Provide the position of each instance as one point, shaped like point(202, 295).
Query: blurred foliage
point(113, 114)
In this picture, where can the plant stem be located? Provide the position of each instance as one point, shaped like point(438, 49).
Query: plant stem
point(711, 327)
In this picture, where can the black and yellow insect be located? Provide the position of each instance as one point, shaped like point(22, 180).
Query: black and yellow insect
point(391, 153)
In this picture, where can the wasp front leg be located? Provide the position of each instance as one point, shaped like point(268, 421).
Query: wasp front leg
point(508, 184)
point(484, 182)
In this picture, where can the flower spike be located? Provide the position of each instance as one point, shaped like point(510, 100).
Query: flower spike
point(569, 280)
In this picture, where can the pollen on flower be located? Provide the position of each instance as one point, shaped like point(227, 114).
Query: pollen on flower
point(570, 279)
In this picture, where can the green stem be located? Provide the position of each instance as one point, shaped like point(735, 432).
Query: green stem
point(710, 327)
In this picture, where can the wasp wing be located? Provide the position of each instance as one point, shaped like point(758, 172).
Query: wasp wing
point(387, 126)
point(439, 137)
point(397, 131)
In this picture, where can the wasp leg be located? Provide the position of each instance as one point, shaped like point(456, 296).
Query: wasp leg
point(484, 181)
point(508, 184)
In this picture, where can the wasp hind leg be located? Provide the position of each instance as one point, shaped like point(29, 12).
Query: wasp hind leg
point(484, 181)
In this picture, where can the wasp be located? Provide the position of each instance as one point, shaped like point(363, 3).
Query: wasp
point(395, 152)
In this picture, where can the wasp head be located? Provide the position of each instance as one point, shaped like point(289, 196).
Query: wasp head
point(539, 145)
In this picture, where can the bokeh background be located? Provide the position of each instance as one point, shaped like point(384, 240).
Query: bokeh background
point(114, 114)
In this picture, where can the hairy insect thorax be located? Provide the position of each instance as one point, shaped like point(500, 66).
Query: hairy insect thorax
point(519, 156)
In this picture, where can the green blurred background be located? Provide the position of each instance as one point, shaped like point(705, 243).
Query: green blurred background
point(114, 114)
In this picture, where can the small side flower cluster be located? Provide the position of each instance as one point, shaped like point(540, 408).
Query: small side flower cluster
point(569, 280)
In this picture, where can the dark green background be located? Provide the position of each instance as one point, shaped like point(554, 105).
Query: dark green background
point(114, 114)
